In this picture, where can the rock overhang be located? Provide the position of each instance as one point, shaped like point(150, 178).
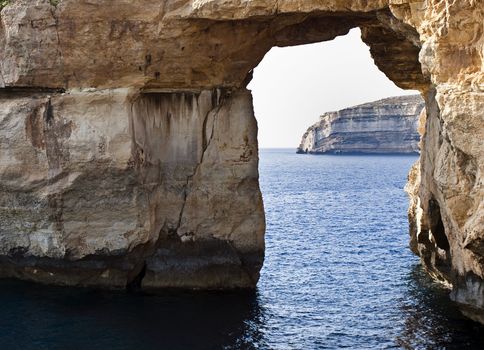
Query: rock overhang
point(177, 45)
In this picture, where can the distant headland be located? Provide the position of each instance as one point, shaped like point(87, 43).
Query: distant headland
point(385, 126)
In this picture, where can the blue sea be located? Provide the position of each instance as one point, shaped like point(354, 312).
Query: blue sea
point(338, 274)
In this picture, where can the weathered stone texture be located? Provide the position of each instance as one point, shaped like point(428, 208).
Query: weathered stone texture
point(99, 181)
point(148, 161)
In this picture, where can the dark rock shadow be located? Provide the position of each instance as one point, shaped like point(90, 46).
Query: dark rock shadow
point(44, 317)
point(432, 320)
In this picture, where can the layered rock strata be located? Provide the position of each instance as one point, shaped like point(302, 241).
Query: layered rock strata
point(128, 151)
point(385, 126)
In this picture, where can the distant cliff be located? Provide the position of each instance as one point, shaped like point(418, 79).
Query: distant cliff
point(384, 126)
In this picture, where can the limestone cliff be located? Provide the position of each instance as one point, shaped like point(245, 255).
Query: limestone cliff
point(385, 126)
point(128, 151)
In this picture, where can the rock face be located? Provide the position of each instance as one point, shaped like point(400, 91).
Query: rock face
point(386, 126)
point(97, 189)
point(128, 151)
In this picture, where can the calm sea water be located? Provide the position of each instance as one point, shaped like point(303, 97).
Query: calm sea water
point(338, 274)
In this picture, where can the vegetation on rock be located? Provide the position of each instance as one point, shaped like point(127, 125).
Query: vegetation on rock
point(4, 3)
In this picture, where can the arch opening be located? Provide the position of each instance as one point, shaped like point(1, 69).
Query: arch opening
point(298, 247)
point(281, 96)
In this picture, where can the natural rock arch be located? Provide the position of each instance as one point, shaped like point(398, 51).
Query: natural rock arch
point(128, 141)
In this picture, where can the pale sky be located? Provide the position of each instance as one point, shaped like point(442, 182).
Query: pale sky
point(293, 86)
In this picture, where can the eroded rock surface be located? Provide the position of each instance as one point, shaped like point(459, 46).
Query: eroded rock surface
point(97, 188)
point(128, 152)
point(385, 126)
